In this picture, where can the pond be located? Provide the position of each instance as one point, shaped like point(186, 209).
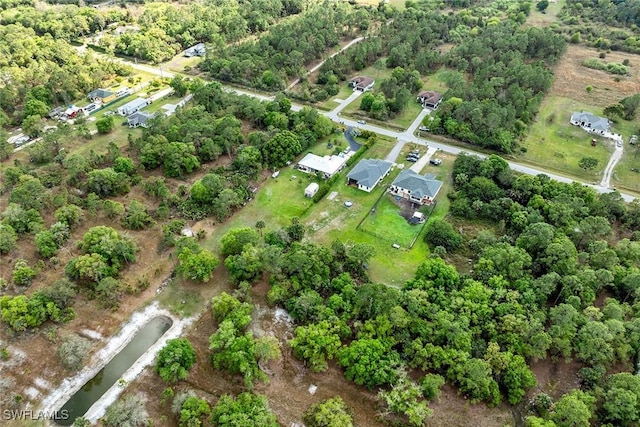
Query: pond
point(82, 400)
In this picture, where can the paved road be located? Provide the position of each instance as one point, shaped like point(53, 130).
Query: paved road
point(351, 43)
point(395, 152)
point(613, 161)
point(405, 136)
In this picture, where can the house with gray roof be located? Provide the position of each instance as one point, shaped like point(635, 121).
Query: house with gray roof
point(133, 106)
point(197, 50)
point(140, 119)
point(416, 188)
point(590, 122)
point(368, 173)
point(102, 95)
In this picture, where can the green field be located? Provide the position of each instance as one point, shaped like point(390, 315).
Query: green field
point(624, 178)
point(556, 145)
point(387, 223)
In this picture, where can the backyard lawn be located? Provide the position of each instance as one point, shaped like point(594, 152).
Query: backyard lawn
point(554, 144)
point(387, 223)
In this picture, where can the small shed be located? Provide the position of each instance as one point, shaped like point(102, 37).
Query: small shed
point(311, 189)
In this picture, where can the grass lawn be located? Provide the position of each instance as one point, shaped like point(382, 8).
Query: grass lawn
point(180, 300)
point(558, 146)
point(99, 142)
point(408, 115)
point(624, 178)
point(436, 81)
point(330, 104)
point(389, 225)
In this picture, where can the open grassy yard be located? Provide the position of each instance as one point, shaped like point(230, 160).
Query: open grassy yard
point(436, 81)
point(572, 78)
point(539, 19)
point(624, 177)
point(554, 144)
point(387, 223)
point(408, 115)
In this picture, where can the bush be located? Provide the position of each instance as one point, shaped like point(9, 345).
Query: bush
point(329, 413)
point(73, 352)
point(441, 233)
point(8, 238)
point(105, 124)
point(127, 411)
point(175, 359)
point(23, 275)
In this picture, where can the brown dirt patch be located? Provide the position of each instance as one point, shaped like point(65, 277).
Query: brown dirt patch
point(555, 378)
point(453, 410)
point(572, 78)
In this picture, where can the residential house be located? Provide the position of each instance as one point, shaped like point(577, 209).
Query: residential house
point(139, 119)
point(429, 99)
point(133, 106)
point(590, 123)
point(311, 189)
point(327, 165)
point(416, 188)
point(362, 83)
point(197, 50)
point(368, 173)
point(102, 95)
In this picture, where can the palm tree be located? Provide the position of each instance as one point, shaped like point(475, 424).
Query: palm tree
point(259, 226)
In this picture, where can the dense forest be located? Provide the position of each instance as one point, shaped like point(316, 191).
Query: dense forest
point(269, 62)
point(555, 275)
point(602, 24)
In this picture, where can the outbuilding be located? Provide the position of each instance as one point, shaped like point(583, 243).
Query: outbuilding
point(311, 189)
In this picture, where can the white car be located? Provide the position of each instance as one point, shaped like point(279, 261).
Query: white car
point(362, 122)
point(348, 203)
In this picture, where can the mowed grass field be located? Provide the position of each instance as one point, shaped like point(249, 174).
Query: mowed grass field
point(556, 145)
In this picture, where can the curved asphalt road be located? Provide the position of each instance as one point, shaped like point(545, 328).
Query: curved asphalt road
point(405, 136)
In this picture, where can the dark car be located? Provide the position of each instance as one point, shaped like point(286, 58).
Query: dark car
point(412, 159)
point(435, 162)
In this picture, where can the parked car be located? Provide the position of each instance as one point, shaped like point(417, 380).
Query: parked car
point(619, 143)
point(362, 122)
point(415, 152)
point(435, 162)
point(424, 128)
point(412, 159)
point(348, 203)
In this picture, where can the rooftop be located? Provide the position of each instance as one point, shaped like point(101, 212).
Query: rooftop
point(419, 185)
point(327, 164)
point(368, 171)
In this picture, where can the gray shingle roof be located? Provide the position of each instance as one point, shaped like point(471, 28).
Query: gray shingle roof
point(139, 118)
point(596, 122)
point(99, 93)
point(419, 185)
point(368, 171)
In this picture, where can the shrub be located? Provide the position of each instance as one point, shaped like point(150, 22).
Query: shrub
point(441, 233)
point(73, 352)
point(175, 359)
point(23, 275)
point(127, 411)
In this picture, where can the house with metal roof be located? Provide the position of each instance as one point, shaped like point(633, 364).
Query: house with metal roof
point(368, 173)
point(416, 188)
point(133, 106)
point(327, 165)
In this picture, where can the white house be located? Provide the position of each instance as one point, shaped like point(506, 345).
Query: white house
point(327, 165)
point(139, 119)
point(133, 106)
point(362, 83)
point(368, 173)
point(590, 122)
